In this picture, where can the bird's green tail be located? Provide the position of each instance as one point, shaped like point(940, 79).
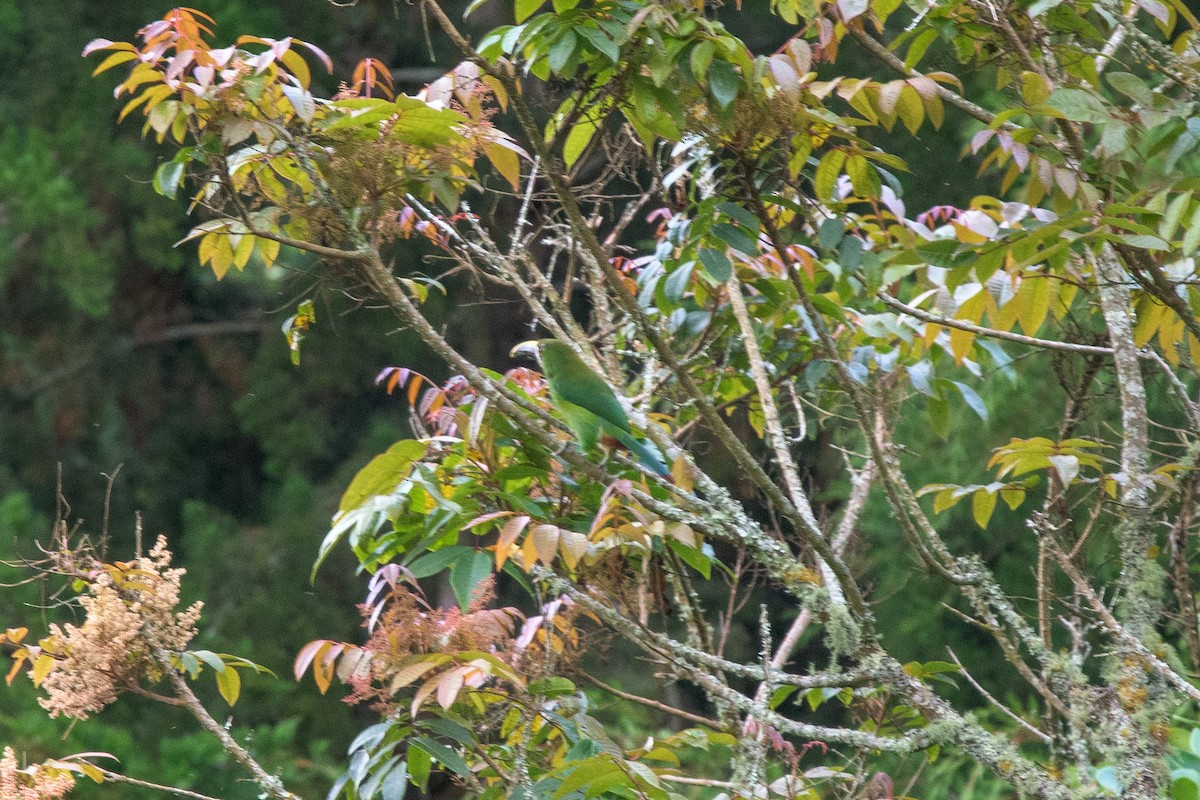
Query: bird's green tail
point(649, 459)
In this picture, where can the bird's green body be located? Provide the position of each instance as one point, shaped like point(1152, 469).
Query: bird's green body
point(588, 404)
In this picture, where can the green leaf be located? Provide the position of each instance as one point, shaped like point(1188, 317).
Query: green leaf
point(831, 232)
point(600, 40)
point(736, 238)
point(723, 82)
point(718, 265)
point(1078, 105)
point(973, 400)
point(1131, 86)
point(701, 58)
point(1191, 237)
point(419, 765)
point(444, 755)
point(395, 784)
point(692, 556)
point(525, 8)
point(1144, 241)
point(438, 560)
point(382, 474)
point(554, 686)
point(467, 573)
point(587, 772)
point(779, 695)
point(578, 139)
point(167, 178)
point(560, 52)
point(828, 170)
point(677, 282)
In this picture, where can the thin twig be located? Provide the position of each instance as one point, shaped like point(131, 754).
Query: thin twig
point(645, 701)
point(1009, 712)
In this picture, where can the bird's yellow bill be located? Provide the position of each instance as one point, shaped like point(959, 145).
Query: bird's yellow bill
point(525, 348)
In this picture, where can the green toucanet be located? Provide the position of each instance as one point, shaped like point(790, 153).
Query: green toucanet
point(585, 401)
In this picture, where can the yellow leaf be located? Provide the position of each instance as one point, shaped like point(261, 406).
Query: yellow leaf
point(506, 162)
point(222, 256)
point(119, 57)
point(268, 251)
point(528, 553)
point(1013, 496)
point(960, 344)
point(243, 251)
point(944, 499)
point(931, 332)
point(297, 66)
point(681, 472)
point(1193, 348)
point(229, 684)
point(1170, 334)
point(322, 666)
point(41, 668)
point(1063, 299)
point(1035, 303)
point(982, 506)
point(1149, 317)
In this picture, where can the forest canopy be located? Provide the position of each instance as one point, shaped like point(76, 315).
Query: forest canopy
point(853, 451)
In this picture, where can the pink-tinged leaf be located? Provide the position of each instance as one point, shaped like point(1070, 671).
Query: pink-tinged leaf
point(449, 687)
point(204, 76)
point(573, 546)
point(356, 661)
point(784, 74)
point(801, 55)
point(178, 63)
point(319, 53)
point(978, 222)
point(155, 53)
point(1066, 181)
point(154, 29)
point(102, 44)
point(261, 61)
point(889, 95)
point(422, 694)
point(851, 8)
point(221, 57)
point(281, 47)
point(1045, 172)
point(1020, 154)
point(980, 139)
